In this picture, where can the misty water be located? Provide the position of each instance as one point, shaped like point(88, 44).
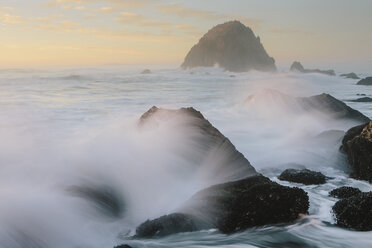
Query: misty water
point(65, 131)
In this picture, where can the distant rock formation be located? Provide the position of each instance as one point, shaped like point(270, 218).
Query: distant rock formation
point(362, 99)
point(146, 71)
point(297, 67)
point(350, 75)
point(357, 144)
point(232, 46)
point(365, 81)
point(216, 154)
point(232, 207)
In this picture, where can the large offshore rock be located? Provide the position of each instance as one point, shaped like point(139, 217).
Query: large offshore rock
point(350, 75)
point(232, 46)
point(357, 144)
point(365, 81)
point(214, 153)
point(298, 67)
point(355, 212)
point(232, 207)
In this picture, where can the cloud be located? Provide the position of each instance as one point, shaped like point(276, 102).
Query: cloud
point(10, 19)
point(131, 4)
point(140, 20)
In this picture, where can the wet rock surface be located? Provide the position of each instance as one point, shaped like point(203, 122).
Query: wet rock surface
point(303, 176)
point(344, 192)
point(355, 212)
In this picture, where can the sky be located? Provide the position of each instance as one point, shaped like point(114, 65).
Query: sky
point(333, 33)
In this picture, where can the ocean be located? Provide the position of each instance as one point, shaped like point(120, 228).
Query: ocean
point(62, 128)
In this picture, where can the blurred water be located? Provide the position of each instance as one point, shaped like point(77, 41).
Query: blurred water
point(62, 128)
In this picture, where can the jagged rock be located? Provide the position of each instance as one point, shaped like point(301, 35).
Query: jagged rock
point(235, 206)
point(363, 99)
point(344, 192)
point(232, 46)
point(357, 144)
point(303, 176)
point(351, 75)
point(324, 105)
point(297, 67)
point(215, 152)
point(170, 224)
point(355, 212)
point(146, 71)
point(365, 81)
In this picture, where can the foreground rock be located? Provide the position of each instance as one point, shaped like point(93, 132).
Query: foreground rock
point(355, 212)
point(232, 46)
point(215, 154)
point(297, 67)
point(365, 81)
point(344, 192)
point(363, 99)
point(357, 144)
point(323, 105)
point(351, 75)
point(232, 207)
point(303, 176)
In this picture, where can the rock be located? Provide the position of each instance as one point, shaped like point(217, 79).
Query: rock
point(170, 224)
point(344, 192)
point(235, 206)
point(363, 99)
point(104, 198)
point(355, 212)
point(297, 67)
point(324, 105)
point(357, 144)
point(232, 46)
point(303, 176)
point(351, 75)
point(146, 71)
point(365, 81)
point(123, 246)
point(216, 154)
point(361, 94)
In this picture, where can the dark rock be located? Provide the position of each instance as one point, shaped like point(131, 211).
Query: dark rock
point(170, 224)
point(297, 67)
point(365, 81)
point(232, 46)
point(146, 71)
point(357, 144)
point(123, 246)
point(303, 176)
point(351, 75)
point(104, 198)
point(215, 151)
point(324, 105)
point(363, 99)
point(361, 94)
point(355, 212)
point(344, 192)
point(235, 206)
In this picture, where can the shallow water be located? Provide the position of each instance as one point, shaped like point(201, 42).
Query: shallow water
point(62, 128)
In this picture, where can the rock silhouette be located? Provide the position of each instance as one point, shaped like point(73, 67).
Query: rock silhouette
point(298, 67)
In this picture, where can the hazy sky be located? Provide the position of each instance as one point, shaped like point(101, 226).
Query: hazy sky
point(93, 32)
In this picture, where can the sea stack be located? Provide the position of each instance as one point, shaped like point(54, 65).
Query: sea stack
point(232, 46)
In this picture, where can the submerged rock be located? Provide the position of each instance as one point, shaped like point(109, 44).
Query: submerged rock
point(215, 154)
point(298, 67)
point(234, 206)
point(123, 246)
point(350, 75)
point(232, 46)
point(303, 176)
point(344, 192)
point(363, 99)
point(355, 212)
point(365, 81)
point(146, 71)
point(357, 144)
